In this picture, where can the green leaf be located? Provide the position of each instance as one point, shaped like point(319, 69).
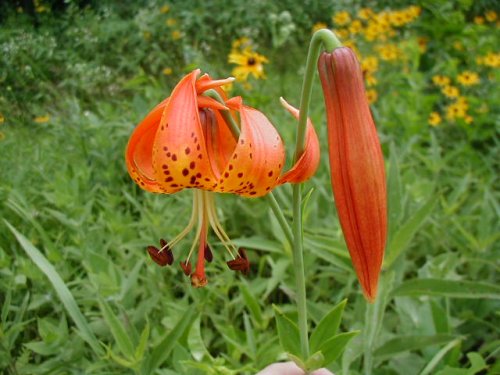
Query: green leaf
point(334, 347)
point(447, 288)
point(315, 361)
point(439, 317)
point(394, 198)
point(404, 235)
point(143, 343)
point(252, 304)
point(434, 362)
point(327, 327)
point(406, 343)
point(118, 331)
point(288, 333)
point(162, 350)
point(61, 289)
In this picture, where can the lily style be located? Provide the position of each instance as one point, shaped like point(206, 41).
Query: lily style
point(193, 141)
point(357, 165)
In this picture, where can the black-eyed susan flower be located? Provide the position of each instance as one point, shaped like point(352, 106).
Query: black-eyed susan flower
point(434, 119)
point(440, 80)
point(450, 91)
point(42, 119)
point(468, 78)
point(341, 18)
point(248, 62)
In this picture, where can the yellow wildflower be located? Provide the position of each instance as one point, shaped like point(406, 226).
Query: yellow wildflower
point(491, 16)
point(176, 35)
point(479, 20)
point(439, 80)
point(41, 119)
point(370, 79)
point(342, 33)
point(318, 26)
point(450, 91)
point(454, 111)
point(389, 52)
point(434, 119)
point(371, 95)
point(341, 18)
point(369, 64)
point(2, 119)
point(365, 13)
point(468, 119)
point(462, 102)
point(397, 18)
point(415, 10)
point(492, 60)
point(167, 71)
point(171, 22)
point(2, 136)
point(468, 78)
point(355, 27)
point(249, 62)
point(164, 9)
point(146, 35)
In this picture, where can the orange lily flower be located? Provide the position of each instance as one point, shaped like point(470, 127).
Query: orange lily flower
point(357, 165)
point(185, 142)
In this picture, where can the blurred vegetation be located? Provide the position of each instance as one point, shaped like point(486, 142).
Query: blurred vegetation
point(75, 78)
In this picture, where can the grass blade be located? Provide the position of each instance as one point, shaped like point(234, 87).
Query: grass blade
point(61, 289)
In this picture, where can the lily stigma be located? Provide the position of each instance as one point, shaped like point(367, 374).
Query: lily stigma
point(191, 140)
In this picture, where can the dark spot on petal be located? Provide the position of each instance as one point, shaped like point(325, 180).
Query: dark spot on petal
point(230, 167)
point(187, 150)
point(192, 165)
point(198, 175)
point(240, 175)
point(270, 174)
point(174, 157)
point(185, 172)
point(168, 154)
point(164, 166)
point(253, 192)
point(226, 175)
point(168, 179)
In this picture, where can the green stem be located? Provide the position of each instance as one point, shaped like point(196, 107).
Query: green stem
point(231, 123)
point(273, 203)
point(327, 39)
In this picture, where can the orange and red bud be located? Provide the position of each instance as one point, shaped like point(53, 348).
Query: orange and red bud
point(357, 165)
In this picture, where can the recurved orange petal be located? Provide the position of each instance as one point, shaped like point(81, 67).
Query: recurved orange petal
point(255, 164)
point(180, 156)
point(308, 162)
point(139, 150)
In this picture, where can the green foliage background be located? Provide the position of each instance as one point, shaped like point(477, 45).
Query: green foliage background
point(95, 69)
